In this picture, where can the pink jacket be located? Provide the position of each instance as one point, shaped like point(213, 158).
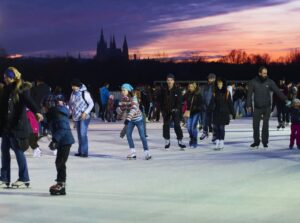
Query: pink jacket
point(33, 122)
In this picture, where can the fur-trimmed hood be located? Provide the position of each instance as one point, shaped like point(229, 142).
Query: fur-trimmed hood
point(18, 87)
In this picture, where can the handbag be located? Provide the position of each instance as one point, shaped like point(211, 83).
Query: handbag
point(187, 113)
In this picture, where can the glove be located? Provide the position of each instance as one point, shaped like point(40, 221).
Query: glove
point(53, 145)
point(126, 122)
point(123, 132)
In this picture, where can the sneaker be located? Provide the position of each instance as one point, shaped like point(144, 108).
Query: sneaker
point(254, 145)
point(4, 184)
point(37, 152)
point(181, 145)
point(77, 154)
point(20, 184)
point(291, 146)
point(167, 144)
point(203, 136)
point(58, 189)
point(55, 152)
point(265, 145)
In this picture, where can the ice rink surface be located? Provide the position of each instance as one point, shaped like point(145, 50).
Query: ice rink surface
point(195, 186)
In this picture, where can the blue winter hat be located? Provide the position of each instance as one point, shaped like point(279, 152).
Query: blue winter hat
point(59, 97)
point(10, 73)
point(127, 87)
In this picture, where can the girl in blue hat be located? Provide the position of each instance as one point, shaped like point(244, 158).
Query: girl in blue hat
point(129, 108)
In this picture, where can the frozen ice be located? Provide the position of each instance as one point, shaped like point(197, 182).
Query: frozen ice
point(196, 185)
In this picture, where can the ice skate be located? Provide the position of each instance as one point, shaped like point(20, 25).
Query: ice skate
point(254, 145)
point(20, 184)
point(58, 189)
point(181, 145)
point(4, 184)
point(37, 153)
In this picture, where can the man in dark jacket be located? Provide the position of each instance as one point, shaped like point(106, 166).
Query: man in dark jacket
point(261, 87)
point(15, 126)
point(171, 105)
point(39, 93)
point(207, 115)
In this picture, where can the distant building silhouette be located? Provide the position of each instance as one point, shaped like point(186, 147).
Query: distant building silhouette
point(105, 53)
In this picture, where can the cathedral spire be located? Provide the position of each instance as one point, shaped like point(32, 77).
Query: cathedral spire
point(125, 49)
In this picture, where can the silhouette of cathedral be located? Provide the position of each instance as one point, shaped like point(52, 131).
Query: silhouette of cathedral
point(105, 53)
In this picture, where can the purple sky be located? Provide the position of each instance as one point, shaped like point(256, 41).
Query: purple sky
point(48, 27)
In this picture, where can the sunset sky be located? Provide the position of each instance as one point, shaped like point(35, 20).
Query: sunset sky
point(175, 28)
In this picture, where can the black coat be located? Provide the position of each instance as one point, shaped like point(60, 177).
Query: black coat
point(171, 100)
point(40, 92)
point(13, 105)
point(261, 90)
point(194, 102)
point(222, 107)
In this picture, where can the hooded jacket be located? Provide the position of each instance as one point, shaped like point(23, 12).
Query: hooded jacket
point(13, 120)
point(58, 118)
point(81, 101)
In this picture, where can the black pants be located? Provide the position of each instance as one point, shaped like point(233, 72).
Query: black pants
point(172, 117)
point(282, 113)
point(219, 131)
point(61, 159)
point(264, 114)
point(157, 112)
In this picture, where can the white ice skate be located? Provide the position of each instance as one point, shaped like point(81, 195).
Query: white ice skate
point(20, 184)
point(37, 153)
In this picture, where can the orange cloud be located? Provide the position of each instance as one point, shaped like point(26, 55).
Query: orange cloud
point(271, 29)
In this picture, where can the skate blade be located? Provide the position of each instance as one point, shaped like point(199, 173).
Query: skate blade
point(20, 187)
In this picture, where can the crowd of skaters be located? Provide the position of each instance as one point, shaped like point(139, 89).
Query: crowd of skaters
point(29, 112)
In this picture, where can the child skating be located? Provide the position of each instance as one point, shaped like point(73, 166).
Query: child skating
point(62, 140)
point(129, 107)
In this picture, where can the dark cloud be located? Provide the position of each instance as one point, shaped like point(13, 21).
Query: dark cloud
point(74, 25)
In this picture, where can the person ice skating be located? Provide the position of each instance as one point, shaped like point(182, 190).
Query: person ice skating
point(171, 105)
point(104, 96)
point(129, 107)
point(295, 127)
point(222, 109)
point(62, 140)
point(81, 105)
point(261, 87)
point(194, 102)
point(282, 110)
point(15, 127)
point(34, 135)
point(207, 114)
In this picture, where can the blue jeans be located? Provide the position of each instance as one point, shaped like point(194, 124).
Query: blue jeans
point(192, 123)
point(239, 107)
point(141, 129)
point(8, 143)
point(82, 128)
